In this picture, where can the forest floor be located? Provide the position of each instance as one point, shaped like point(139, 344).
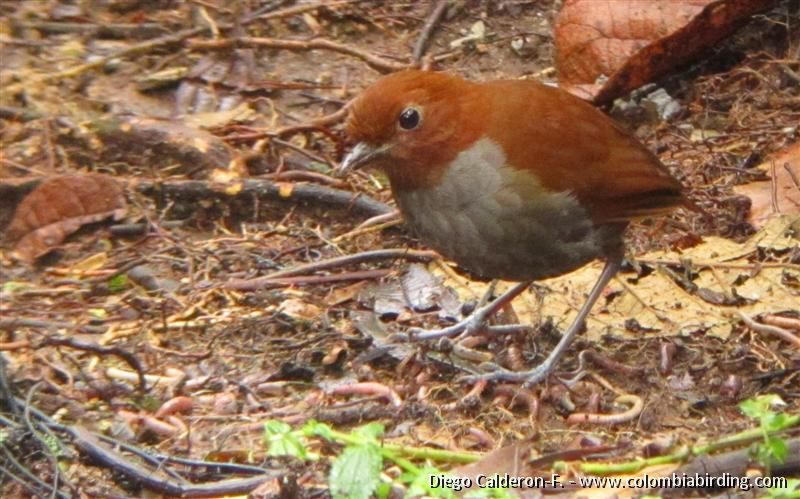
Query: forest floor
point(217, 147)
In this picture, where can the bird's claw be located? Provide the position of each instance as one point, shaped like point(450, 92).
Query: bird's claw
point(498, 373)
point(420, 334)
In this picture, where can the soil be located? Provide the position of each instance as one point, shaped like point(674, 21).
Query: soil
point(79, 323)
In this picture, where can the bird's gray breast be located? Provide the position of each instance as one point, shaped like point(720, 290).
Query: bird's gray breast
point(497, 221)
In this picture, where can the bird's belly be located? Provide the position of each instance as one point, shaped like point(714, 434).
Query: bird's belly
point(517, 246)
point(505, 225)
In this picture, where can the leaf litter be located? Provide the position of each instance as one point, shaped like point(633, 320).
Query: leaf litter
point(686, 330)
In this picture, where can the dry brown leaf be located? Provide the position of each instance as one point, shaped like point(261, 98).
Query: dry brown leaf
point(780, 194)
point(633, 42)
point(657, 302)
point(299, 310)
point(12, 191)
point(215, 81)
point(58, 207)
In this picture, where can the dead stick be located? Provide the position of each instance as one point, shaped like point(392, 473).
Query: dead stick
point(297, 9)
point(736, 463)
point(366, 256)
point(111, 459)
point(268, 190)
point(373, 60)
point(261, 283)
point(138, 49)
point(427, 29)
point(23, 322)
point(128, 357)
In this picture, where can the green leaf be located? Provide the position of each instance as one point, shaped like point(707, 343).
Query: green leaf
point(281, 441)
point(751, 408)
point(13, 286)
point(761, 405)
point(356, 472)
point(118, 283)
point(275, 427)
point(775, 422)
point(317, 429)
point(370, 432)
point(778, 448)
point(384, 490)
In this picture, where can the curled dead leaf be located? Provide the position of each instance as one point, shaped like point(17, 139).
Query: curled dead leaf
point(58, 207)
point(631, 42)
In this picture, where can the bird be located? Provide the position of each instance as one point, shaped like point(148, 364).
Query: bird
point(510, 179)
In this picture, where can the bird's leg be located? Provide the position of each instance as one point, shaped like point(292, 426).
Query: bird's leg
point(487, 296)
point(540, 372)
point(475, 321)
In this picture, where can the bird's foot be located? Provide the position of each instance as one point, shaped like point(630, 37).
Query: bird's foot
point(527, 378)
point(476, 321)
point(470, 325)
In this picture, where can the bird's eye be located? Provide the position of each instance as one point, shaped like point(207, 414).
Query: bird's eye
point(409, 119)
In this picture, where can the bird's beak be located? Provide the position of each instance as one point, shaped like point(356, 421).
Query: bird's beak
point(360, 155)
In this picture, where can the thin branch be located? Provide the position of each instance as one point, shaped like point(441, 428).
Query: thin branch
point(297, 9)
point(89, 444)
point(128, 357)
point(372, 60)
point(427, 29)
point(20, 322)
point(261, 283)
point(340, 261)
point(137, 49)
point(268, 190)
point(92, 445)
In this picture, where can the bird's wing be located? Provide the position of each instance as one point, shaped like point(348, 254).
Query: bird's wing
point(572, 146)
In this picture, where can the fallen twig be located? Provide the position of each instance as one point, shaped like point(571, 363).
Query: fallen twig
point(137, 49)
point(372, 60)
point(12, 324)
point(111, 30)
point(374, 224)
point(260, 283)
point(128, 357)
point(153, 379)
point(266, 189)
point(171, 484)
point(303, 175)
point(294, 10)
point(89, 444)
point(736, 463)
point(339, 261)
point(427, 29)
